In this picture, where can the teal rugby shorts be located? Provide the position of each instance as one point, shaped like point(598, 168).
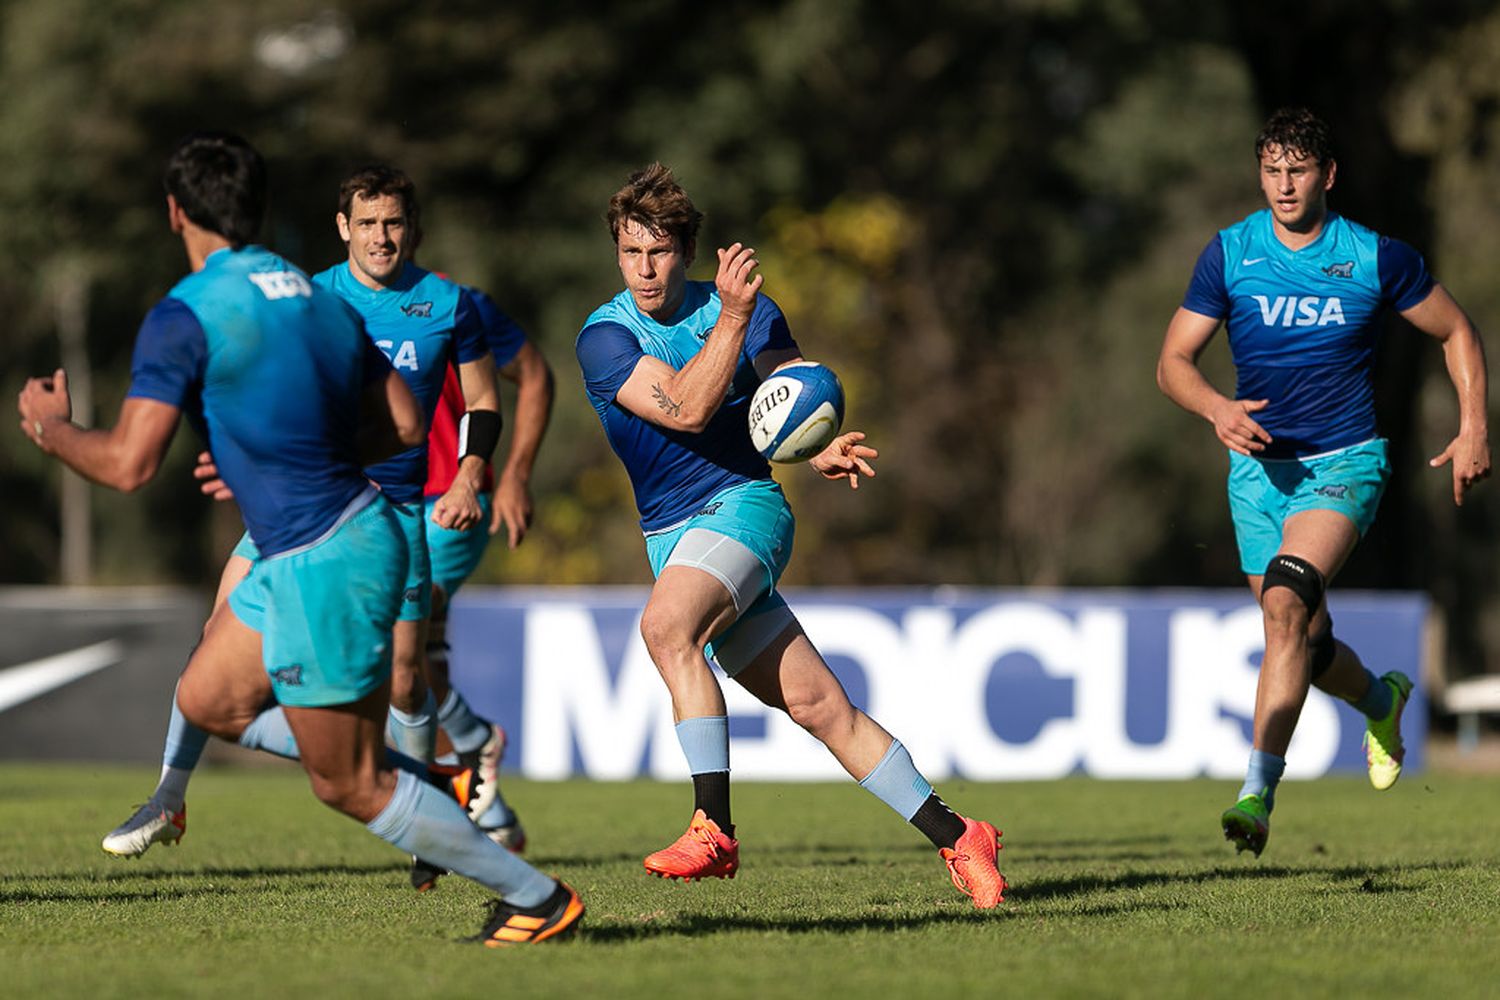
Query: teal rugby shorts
point(743, 537)
point(325, 611)
point(416, 593)
point(1263, 493)
point(456, 554)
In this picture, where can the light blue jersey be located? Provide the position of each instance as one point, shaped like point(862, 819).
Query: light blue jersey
point(270, 370)
point(1302, 324)
point(674, 473)
point(421, 322)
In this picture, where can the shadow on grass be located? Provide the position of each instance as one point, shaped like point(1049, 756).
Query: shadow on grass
point(1364, 878)
point(11, 885)
point(696, 924)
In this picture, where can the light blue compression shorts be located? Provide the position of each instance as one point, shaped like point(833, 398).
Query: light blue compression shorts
point(325, 610)
point(416, 592)
point(1263, 493)
point(743, 538)
point(456, 554)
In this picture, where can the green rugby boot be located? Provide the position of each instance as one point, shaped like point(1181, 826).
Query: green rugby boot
point(1247, 823)
point(1384, 750)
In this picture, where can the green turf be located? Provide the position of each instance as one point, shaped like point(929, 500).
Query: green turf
point(1119, 889)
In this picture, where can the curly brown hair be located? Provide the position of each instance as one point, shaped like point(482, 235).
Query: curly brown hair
point(1299, 132)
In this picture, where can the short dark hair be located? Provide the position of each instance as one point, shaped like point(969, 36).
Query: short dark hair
point(378, 180)
point(1299, 132)
point(653, 198)
point(219, 182)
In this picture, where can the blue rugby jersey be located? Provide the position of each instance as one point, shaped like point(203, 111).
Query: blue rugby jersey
point(421, 322)
point(503, 334)
point(270, 370)
point(674, 472)
point(1302, 323)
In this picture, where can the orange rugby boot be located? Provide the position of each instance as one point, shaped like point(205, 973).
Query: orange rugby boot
point(971, 863)
point(703, 852)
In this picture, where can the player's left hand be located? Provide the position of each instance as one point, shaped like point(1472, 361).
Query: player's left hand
point(845, 458)
point(511, 509)
point(1470, 455)
point(458, 509)
point(206, 471)
point(44, 401)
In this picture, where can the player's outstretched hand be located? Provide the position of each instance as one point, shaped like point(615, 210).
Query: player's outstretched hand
point(737, 282)
point(511, 510)
point(43, 401)
point(1470, 455)
point(1237, 429)
point(206, 471)
point(458, 509)
point(845, 458)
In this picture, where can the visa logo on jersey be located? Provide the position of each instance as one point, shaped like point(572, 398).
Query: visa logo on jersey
point(281, 284)
point(1300, 310)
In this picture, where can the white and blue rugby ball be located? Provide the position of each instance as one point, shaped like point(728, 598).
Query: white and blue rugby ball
point(796, 412)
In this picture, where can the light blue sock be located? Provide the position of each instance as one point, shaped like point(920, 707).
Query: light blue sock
point(180, 753)
point(705, 743)
point(424, 822)
point(1378, 699)
point(466, 731)
point(897, 782)
point(185, 741)
point(270, 732)
point(497, 815)
point(415, 734)
point(1263, 776)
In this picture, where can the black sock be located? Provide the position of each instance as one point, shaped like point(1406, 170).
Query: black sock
point(711, 794)
point(938, 823)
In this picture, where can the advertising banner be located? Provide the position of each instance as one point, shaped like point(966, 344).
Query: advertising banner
point(988, 685)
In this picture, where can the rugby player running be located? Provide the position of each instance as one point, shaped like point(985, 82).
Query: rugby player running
point(294, 401)
point(1300, 289)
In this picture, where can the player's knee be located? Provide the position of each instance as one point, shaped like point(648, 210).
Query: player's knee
point(663, 634)
point(343, 793)
point(821, 711)
point(1289, 576)
point(210, 711)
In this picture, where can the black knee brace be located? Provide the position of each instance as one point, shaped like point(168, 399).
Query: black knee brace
point(1321, 649)
point(1297, 575)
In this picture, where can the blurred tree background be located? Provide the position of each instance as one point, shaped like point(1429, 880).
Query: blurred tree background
point(982, 214)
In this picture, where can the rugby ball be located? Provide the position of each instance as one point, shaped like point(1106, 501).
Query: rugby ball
point(796, 412)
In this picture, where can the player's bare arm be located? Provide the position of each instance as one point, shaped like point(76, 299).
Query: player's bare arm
point(458, 509)
point(124, 457)
point(1180, 379)
point(687, 399)
point(512, 504)
point(390, 420)
point(1441, 317)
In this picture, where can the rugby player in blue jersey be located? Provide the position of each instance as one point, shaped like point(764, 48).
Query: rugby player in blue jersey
point(293, 399)
point(421, 321)
point(1300, 288)
point(669, 366)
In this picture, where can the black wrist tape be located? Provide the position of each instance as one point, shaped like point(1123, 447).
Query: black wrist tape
point(478, 434)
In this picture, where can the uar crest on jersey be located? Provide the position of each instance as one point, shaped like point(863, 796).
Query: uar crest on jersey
point(1300, 310)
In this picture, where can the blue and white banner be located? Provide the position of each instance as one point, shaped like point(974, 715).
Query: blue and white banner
point(989, 685)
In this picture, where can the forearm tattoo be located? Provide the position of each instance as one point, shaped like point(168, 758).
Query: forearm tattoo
point(667, 403)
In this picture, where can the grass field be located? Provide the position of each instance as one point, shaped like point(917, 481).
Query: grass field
point(1119, 889)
